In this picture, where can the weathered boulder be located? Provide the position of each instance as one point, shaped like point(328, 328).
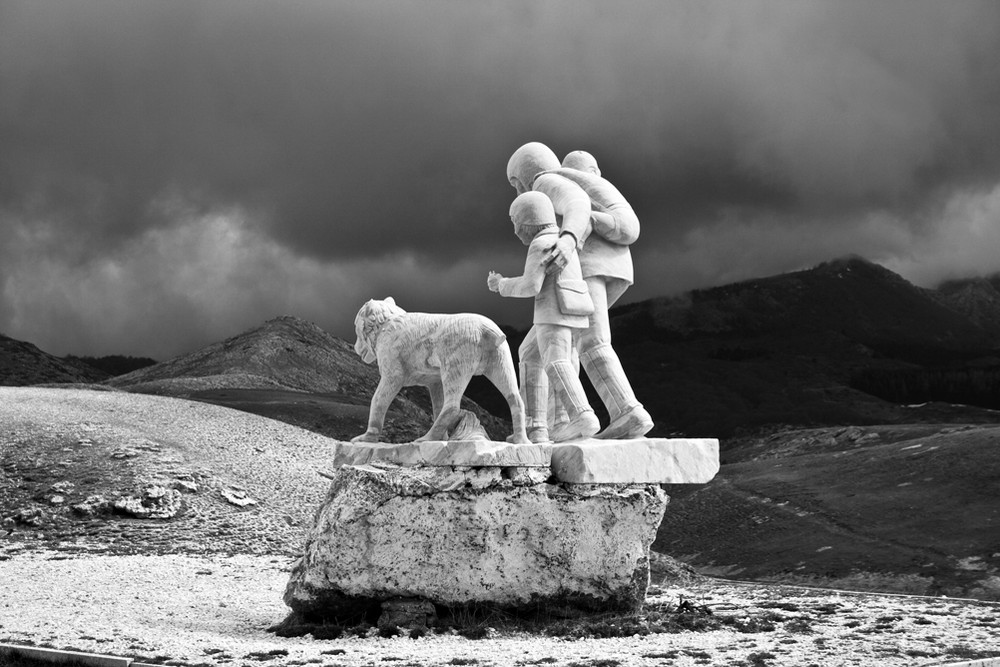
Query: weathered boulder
point(153, 502)
point(498, 540)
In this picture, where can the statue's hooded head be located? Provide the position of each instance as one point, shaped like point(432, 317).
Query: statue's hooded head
point(581, 161)
point(527, 163)
point(530, 213)
point(532, 209)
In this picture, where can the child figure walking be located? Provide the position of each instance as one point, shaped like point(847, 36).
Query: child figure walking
point(562, 309)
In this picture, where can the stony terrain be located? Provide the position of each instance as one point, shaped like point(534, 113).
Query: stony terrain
point(223, 481)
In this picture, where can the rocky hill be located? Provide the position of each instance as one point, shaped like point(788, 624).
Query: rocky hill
point(294, 371)
point(283, 353)
point(22, 363)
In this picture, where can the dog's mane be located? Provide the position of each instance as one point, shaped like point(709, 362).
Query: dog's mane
point(376, 313)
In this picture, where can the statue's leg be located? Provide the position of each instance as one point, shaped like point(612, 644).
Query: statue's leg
point(558, 416)
point(556, 342)
point(534, 388)
point(602, 365)
point(388, 386)
point(500, 371)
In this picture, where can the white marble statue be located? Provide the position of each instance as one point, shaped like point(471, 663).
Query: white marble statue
point(562, 308)
point(440, 352)
point(596, 225)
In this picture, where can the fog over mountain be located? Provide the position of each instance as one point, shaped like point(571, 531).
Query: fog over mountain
point(174, 173)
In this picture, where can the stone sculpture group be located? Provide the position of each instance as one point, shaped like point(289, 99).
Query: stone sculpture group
point(563, 513)
point(578, 228)
point(597, 226)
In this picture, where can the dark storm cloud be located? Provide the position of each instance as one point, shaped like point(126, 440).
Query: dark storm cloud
point(358, 136)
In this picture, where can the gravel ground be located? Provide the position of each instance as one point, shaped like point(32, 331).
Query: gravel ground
point(214, 610)
point(202, 588)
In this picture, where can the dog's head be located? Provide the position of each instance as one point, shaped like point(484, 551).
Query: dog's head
point(369, 321)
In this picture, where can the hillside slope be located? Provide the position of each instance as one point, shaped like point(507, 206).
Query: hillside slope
point(61, 450)
point(22, 363)
point(911, 508)
point(976, 298)
point(283, 353)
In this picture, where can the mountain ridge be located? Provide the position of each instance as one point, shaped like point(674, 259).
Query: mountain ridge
point(820, 346)
point(789, 349)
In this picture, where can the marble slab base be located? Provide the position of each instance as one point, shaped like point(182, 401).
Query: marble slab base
point(638, 461)
point(473, 453)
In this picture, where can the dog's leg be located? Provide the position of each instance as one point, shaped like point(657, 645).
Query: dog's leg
point(437, 398)
point(499, 369)
point(388, 386)
point(454, 378)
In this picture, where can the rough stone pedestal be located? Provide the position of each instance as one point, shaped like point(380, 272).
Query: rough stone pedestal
point(398, 532)
point(487, 523)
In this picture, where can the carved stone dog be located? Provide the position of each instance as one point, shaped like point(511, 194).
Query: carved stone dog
point(440, 352)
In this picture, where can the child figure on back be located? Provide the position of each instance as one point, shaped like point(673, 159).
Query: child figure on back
point(562, 308)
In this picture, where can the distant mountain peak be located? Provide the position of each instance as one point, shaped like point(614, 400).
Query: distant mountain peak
point(850, 259)
point(854, 262)
point(287, 319)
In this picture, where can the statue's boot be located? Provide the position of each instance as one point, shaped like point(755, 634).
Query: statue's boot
point(583, 422)
point(535, 394)
point(558, 416)
point(628, 418)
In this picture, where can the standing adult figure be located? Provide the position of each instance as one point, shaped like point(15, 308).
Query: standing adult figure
point(606, 263)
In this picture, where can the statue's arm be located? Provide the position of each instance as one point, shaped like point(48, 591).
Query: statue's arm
point(570, 202)
point(612, 217)
point(529, 284)
point(621, 228)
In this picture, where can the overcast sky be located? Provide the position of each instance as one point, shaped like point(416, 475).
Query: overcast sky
point(172, 173)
